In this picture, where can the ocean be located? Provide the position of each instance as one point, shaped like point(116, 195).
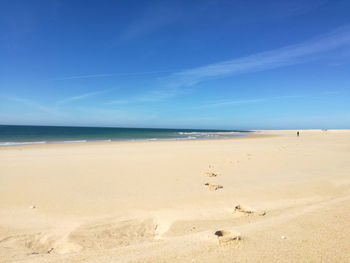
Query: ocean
point(11, 135)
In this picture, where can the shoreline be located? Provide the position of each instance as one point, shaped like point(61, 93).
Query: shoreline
point(12, 135)
point(79, 142)
point(249, 135)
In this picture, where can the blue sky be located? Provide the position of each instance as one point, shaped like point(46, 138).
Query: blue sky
point(183, 64)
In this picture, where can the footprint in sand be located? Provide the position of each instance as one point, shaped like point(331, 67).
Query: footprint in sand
point(213, 187)
point(39, 243)
point(210, 174)
point(248, 210)
point(227, 237)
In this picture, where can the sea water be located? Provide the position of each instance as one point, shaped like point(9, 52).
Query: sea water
point(11, 135)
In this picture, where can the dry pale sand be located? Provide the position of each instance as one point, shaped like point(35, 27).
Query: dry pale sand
point(284, 199)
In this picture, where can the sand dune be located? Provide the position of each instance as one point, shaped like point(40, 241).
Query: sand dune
point(284, 199)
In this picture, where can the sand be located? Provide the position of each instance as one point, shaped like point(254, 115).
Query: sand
point(283, 199)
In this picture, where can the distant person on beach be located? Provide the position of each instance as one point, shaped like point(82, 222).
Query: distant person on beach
point(297, 133)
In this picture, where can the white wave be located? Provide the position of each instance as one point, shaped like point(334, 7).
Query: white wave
point(20, 143)
point(188, 133)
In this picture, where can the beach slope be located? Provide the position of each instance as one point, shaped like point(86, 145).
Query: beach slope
point(268, 197)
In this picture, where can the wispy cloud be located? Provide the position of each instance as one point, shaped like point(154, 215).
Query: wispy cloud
point(230, 102)
point(179, 82)
point(115, 74)
point(289, 55)
point(286, 56)
point(154, 18)
point(152, 96)
point(33, 112)
point(81, 96)
point(222, 103)
point(32, 104)
point(164, 13)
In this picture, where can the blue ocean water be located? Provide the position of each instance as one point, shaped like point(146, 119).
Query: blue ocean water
point(21, 135)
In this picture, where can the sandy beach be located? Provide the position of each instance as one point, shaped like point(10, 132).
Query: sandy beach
point(269, 197)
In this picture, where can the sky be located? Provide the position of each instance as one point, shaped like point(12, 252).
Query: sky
point(176, 64)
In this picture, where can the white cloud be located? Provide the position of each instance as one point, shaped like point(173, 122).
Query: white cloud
point(152, 96)
point(81, 96)
point(289, 55)
point(32, 104)
point(179, 82)
point(229, 102)
point(115, 74)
